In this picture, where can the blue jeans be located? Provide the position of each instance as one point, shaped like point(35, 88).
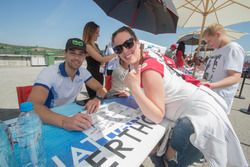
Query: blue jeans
point(179, 141)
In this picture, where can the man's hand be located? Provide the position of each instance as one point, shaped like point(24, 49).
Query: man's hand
point(78, 122)
point(92, 105)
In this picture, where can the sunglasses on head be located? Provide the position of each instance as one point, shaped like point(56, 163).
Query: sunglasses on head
point(127, 44)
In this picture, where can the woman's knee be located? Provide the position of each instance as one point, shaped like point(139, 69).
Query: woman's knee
point(181, 133)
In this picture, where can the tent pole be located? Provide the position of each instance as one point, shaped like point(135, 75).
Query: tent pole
point(200, 36)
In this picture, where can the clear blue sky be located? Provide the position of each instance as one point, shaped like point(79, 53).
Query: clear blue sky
point(50, 23)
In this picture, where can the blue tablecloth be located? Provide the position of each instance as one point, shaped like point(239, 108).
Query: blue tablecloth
point(57, 137)
point(118, 146)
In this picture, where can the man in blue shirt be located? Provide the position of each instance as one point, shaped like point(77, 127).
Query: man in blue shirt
point(59, 84)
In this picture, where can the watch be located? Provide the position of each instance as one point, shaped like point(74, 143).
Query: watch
point(99, 98)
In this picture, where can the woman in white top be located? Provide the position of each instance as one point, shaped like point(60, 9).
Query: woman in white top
point(201, 126)
point(118, 87)
point(224, 66)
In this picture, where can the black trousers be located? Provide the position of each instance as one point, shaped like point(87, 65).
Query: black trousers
point(91, 92)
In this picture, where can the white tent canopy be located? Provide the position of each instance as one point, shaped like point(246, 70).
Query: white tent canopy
point(202, 13)
point(225, 12)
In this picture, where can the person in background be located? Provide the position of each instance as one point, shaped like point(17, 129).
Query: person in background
point(180, 59)
point(171, 52)
point(198, 124)
point(112, 64)
point(189, 60)
point(118, 87)
point(94, 57)
point(60, 84)
point(224, 67)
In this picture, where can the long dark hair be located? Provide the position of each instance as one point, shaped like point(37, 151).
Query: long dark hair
point(181, 47)
point(132, 33)
point(88, 31)
point(124, 29)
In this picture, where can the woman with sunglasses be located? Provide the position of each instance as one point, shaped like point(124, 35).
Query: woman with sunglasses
point(94, 58)
point(198, 124)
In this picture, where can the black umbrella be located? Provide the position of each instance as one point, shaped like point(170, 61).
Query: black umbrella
point(191, 39)
point(155, 16)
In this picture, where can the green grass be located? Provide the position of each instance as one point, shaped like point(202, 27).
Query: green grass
point(29, 50)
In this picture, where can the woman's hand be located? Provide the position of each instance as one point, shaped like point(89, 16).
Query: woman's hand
point(133, 79)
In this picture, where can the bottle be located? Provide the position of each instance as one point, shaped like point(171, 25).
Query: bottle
point(7, 158)
point(102, 68)
point(29, 137)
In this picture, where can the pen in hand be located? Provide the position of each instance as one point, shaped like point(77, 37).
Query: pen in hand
point(90, 117)
point(91, 123)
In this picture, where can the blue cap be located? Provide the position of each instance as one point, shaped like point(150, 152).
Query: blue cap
point(26, 107)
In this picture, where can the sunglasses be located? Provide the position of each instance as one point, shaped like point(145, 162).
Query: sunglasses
point(128, 44)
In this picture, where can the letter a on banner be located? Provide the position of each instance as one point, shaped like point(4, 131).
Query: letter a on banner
point(78, 154)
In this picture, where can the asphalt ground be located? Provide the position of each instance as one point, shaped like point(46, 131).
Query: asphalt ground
point(11, 77)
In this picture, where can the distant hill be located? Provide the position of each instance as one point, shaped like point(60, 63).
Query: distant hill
point(28, 50)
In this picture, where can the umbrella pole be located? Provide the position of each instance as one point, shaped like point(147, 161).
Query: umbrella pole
point(192, 43)
point(199, 45)
point(200, 36)
point(205, 51)
point(135, 14)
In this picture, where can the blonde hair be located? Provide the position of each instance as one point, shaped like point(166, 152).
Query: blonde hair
point(212, 29)
point(88, 31)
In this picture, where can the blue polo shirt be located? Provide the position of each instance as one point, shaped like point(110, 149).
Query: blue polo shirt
point(62, 89)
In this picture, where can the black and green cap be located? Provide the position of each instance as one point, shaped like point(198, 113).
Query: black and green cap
point(75, 43)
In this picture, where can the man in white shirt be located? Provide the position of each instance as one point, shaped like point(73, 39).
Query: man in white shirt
point(224, 67)
point(59, 84)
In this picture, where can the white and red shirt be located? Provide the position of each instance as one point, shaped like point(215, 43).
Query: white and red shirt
point(213, 133)
point(176, 89)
